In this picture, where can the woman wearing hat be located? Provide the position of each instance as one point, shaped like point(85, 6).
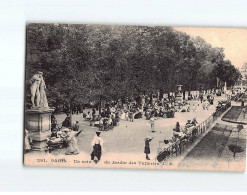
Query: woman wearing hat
point(97, 144)
point(147, 146)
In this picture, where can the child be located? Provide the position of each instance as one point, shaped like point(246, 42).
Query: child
point(131, 116)
point(126, 115)
point(101, 124)
point(151, 121)
point(147, 147)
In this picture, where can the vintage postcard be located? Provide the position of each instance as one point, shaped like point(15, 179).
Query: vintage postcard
point(136, 97)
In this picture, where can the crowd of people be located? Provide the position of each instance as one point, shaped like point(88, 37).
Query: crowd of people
point(188, 133)
point(113, 113)
point(106, 120)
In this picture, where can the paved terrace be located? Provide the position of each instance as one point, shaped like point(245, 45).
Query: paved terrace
point(126, 142)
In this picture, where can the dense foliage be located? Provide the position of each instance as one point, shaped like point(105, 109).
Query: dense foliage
point(83, 63)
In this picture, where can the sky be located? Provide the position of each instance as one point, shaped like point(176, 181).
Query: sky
point(233, 40)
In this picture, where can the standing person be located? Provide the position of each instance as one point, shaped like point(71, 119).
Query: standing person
point(141, 111)
point(76, 126)
point(53, 122)
point(89, 116)
point(126, 115)
point(93, 113)
point(101, 124)
point(151, 121)
point(194, 107)
point(131, 116)
point(147, 146)
point(67, 122)
point(97, 144)
point(109, 123)
point(204, 105)
point(71, 137)
point(103, 114)
point(117, 117)
point(122, 115)
point(207, 104)
point(108, 112)
point(201, 97)
point(211, 100)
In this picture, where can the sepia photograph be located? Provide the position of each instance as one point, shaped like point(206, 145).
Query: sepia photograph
point(135, 97)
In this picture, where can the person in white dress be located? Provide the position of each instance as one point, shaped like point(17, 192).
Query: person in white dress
point(151, 121)
point(97, 144)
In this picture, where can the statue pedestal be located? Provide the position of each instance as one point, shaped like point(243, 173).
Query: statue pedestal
point(178, 97)
point(38, 124)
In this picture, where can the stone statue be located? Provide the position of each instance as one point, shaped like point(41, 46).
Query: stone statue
point(43, 100)
point(37, 89)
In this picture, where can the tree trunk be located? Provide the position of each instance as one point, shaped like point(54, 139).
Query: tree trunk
point(70, 114)
point(151, 98)
point(161, 94)
point(100, 107)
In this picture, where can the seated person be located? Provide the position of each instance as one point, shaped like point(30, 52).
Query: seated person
point(57, 136)
point(188, 122)
point(177, 127)
point(54, 133)
point(166, 145)
point(89, 116)
point(174, 139)
point(188, 108)
point(194, 122)
point(188, 130)
point(96, 123)
point(164, 153)
point(179, 135)
point(188, 125)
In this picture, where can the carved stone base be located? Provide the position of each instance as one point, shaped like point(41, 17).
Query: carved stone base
point(38, 124)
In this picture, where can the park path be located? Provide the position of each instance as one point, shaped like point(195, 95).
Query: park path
point(126, 141)
point(128, 138)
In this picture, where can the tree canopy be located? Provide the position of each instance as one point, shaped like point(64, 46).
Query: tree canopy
point(83, 63)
